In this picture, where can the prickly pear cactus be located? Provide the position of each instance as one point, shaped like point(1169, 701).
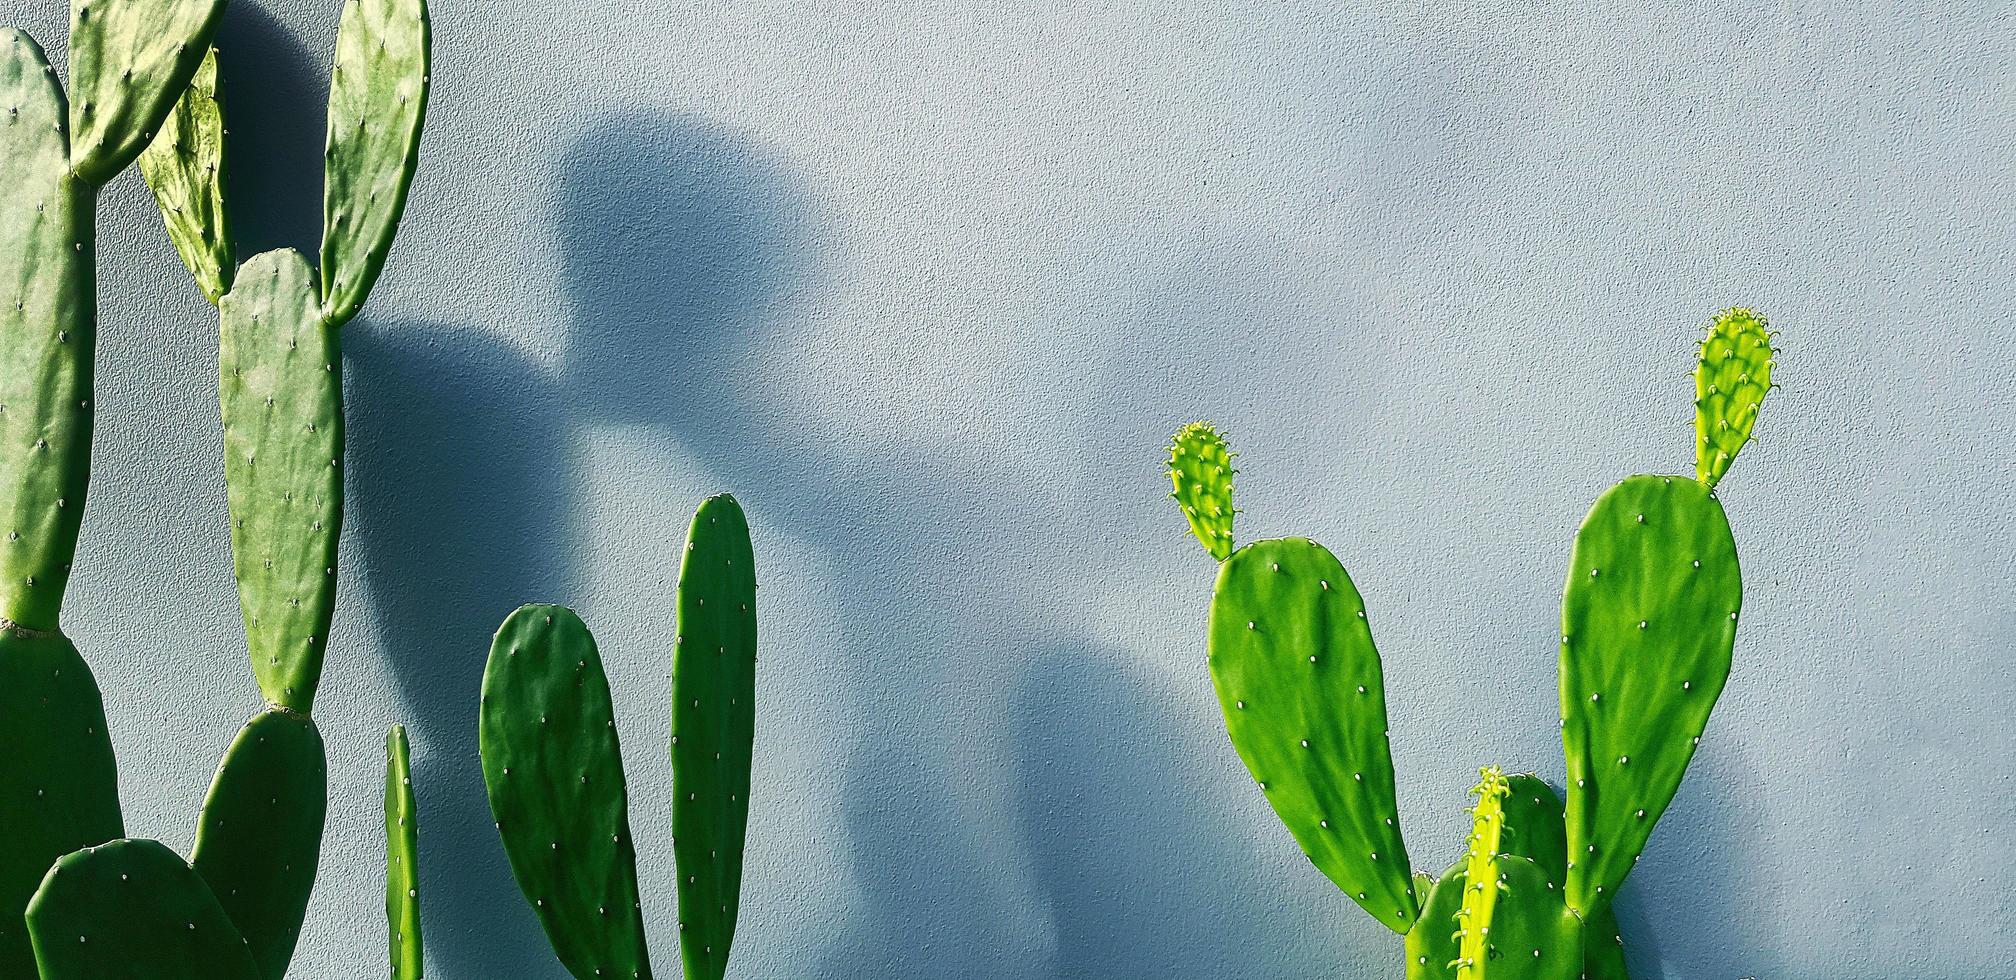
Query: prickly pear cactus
point(554, 772)
point(128, 64)
point(402, 860)
point(133, 910)
point(1730, 383)
point(713, 731)
point(1200, 467)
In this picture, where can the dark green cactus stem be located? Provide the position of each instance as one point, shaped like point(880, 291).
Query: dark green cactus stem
point(1200, 468)
point(402, 860)
point(59, 789)
point(259, 836)
point(713, 731)
point(1304, 699)
point(1730, 383)
point(129, 62)
point(281, 387)
point(554, 773)
point(132, 910)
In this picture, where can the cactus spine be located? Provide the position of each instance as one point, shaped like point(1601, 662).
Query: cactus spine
point(129, 61)
point(1648, 617)
point(402, 859)
point(554, 770)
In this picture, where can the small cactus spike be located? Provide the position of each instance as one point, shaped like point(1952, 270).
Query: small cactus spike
point(1730, 383)
point(129, 61)
point(402, 859)
point(259, 836)
point(1301, 687)
point(713, 731)
point(1200, 467)
point(132, 910)
point(554, 773)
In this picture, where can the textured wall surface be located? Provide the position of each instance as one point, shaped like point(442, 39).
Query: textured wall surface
point(928, 284)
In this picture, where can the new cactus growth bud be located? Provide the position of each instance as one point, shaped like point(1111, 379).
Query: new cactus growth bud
point(713, 731)
point(129, 61)
point(1200, 467)
point(133, 910)
point(402, 859)
point(1648, 623)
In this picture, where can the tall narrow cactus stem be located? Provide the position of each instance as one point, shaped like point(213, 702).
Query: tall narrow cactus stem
point(1200, 468)
point(402, 860)
point(713, 731)
point(1480, 871)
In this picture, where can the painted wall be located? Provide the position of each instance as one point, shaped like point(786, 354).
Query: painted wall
point(927, 285)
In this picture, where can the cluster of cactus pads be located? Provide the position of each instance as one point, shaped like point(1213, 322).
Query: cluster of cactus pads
point(144, 86)
point(1648, 624)
point(554, 770)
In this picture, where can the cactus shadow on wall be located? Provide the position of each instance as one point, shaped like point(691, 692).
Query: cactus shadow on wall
point(275, 150)
point(469, 461)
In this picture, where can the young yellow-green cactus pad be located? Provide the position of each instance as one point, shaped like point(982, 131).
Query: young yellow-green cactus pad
point(1200, 466)
point(185, 168)
point(132, 910)
point(1729, 386)
point(402, 859)
point(1304, 700)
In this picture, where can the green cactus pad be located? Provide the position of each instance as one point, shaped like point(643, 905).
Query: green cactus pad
point(713, 731)
point(1532, 934)
point(282, 394)
point(402, 860)
point(59, 790)
point(554, 772)
point(129, 62)
point(1200, 468)
point(1648, 620)
point(1729, 387)
point(184, 167)
point(1300, 683)
point(48, 332)
point(132, 910)
point(1431, 945)
point(259, 837)
point(377, 101)
point(1534, 829)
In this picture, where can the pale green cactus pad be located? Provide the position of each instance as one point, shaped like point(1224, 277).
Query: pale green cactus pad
point(133, 910)
point(1300, 683)
point(1200, 468)
point(554, 772)
point(259, 836)
point(1730, 383)
point(377, 102)
point(713, 731)
point(185, 167)
point(282, 395)
point(402, 860)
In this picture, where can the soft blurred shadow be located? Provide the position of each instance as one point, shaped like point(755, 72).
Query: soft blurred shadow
point(274, 90)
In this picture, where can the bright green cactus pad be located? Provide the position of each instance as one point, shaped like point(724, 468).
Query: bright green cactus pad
point(59, 789)
point(259, 837)
point(132, 910)
point(184, 166)
point(377, 102)
point(554, 772)
point(1648, 620)
point(1534, 829)
point(1300, 683)
point(1200, 469)
point(129, 62)
point(1431, 945)
point(47, 336)
point(713, 731)
point(1729, 387)
point(282, 395)
point(1532, 934)
point(402, 859)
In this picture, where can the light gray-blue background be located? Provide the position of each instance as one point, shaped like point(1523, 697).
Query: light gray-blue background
point(927, 285)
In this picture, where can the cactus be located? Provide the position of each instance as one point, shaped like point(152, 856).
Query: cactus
point(402, 860)
point(1648, 619)
point(129, 61)
point(554, 770)
point(132, 910)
